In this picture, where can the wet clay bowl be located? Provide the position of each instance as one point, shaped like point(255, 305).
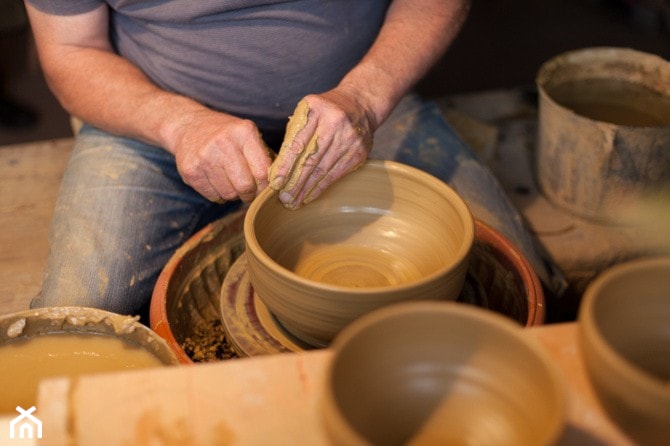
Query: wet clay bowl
point(54, 341)
point(385, 233)
point(440, 373)
point(624, 332)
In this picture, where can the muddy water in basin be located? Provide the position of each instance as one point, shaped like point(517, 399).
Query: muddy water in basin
point(25, 362)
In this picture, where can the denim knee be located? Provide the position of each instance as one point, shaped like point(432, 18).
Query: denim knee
point(121, 213)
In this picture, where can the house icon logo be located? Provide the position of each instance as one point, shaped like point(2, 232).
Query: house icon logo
point(25, 425)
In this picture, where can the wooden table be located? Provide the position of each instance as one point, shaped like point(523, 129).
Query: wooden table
point(263, 400)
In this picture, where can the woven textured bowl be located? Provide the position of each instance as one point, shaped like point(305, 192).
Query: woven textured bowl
point(186, 299)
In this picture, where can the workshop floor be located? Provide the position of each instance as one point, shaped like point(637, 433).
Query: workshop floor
point(501, 46)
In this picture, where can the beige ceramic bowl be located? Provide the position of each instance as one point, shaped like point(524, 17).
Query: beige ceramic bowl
point(624, 322)
point(385, 233)
point(440, 373)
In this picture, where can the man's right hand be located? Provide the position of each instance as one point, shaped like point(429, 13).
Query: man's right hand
point(221, 156)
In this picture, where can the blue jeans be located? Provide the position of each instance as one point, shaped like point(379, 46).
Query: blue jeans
point(123, 209)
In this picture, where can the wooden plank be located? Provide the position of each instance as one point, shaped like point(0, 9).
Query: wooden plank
point(263, 400)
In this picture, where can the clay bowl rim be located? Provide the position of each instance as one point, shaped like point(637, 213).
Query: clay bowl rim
point(454, 198)
point(535, 298)
point(590, 333)
point(475, 315)
point(124, 327)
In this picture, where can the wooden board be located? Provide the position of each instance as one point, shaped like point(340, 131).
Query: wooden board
point(271, 399)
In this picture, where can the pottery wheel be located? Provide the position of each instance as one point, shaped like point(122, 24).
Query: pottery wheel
point(250, 327)
point(252, 330)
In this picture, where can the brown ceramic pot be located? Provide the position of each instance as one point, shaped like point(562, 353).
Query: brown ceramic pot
point(440, 373)
point(385, 233)
point(624, 327)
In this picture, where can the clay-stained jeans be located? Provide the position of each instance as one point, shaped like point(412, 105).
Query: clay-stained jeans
point(123, 209)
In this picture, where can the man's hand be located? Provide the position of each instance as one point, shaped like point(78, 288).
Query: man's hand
point(221, 156)
point(328, 136)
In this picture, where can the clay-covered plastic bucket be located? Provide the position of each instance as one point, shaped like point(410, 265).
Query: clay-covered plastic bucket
point(604, 129)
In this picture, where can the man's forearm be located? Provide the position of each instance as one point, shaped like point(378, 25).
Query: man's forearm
point(96, 85)
point(414, 36)
point(112, 94)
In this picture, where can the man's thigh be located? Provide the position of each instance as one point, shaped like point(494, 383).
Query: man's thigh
point(121, 212)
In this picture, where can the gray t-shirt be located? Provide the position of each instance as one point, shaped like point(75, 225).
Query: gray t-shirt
point(252, 58)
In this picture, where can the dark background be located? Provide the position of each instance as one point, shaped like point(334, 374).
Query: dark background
point(502, 45)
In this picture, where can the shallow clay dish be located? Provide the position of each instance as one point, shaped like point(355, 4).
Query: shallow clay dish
point(440, 373)
point(385, 233)
point(185, 301)
point(624, 322)
point(71, 341)
point(86, 321)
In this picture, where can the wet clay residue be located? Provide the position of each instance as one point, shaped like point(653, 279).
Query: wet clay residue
point(296, 123)
point(208, 343)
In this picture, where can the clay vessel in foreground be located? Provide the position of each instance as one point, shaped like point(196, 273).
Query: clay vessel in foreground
point(624, 332)
point(427, 373)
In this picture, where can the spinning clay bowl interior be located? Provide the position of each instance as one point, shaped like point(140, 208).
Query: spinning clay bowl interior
point(384, 233)
point(440, 373)
point(625, 339)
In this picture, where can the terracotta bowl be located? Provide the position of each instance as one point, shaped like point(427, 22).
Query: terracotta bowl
point(185, 303)
point(440, 373)
point(385, 233)
point(502, 279)
point(624, 322)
